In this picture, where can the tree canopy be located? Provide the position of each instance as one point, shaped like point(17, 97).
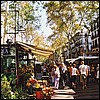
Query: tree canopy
point(66, 18)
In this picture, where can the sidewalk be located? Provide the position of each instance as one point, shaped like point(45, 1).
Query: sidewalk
point(91, 92)
point(65, 93)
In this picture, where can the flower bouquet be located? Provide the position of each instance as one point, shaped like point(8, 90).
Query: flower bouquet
point(31, 81)
point(31, 84)
point(48, 92)
point(35, 86)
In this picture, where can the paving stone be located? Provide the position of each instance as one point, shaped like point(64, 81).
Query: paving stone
point(68, 91)
point(62, 97)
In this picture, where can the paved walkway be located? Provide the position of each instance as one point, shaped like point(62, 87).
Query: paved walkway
point(91, 92)
point(65, 93)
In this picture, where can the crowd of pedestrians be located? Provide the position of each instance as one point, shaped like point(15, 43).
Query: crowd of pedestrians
point(73, 74)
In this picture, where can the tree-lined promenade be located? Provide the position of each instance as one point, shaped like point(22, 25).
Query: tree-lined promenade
point(23, 45)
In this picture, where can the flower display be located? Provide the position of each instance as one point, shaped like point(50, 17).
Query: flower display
point(41, 90)
point(38, 85)
point(31, 81)
point(47, 91)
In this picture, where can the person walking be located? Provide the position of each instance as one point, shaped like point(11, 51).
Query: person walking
point(97, 73)
point(44, 69)
point(83, 74)
point(89, 74)
point(74, 73)
point(64, 69)
point(70, 81)
point(93, 72)
point(63, 78)
point(53, 74)
point(57, 77)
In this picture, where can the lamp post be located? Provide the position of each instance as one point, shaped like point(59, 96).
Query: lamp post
point(16, 46)
point(16, 50)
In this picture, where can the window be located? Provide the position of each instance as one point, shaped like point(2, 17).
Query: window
point(95, 34)
point(96, 43)
point(91, 27)
point(93, 43)
point(94, 26)
point(98, 24)
point(98, 32)
point(92, 34)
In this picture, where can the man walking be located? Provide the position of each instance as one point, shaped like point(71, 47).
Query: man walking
point(83, 74)
point(74, 74)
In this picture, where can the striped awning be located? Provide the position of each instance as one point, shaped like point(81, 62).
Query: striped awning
point(35, 50)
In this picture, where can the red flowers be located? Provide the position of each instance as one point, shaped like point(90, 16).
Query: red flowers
point(32, 81)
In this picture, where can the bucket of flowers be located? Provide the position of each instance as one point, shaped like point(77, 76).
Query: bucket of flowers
point(31, 84)
point(48, 92)
point(38, 91)
point(35, 87)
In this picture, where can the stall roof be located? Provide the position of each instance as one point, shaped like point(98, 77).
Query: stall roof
point(35, 50)
point(71, 60)
point(82, 57)
point(39, 48)
point(87, 57)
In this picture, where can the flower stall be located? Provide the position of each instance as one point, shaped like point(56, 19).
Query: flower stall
point(41, 91)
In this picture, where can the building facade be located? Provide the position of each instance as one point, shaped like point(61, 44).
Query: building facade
point(95, 37)
point(84, 43)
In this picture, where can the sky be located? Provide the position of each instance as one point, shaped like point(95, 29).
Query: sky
point(45, 29)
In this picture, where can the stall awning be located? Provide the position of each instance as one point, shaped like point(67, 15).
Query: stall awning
point(35, 50)
point(83, 57)
point(87, 57)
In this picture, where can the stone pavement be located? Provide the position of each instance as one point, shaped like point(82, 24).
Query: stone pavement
point(91, 92)
point(65, 93)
